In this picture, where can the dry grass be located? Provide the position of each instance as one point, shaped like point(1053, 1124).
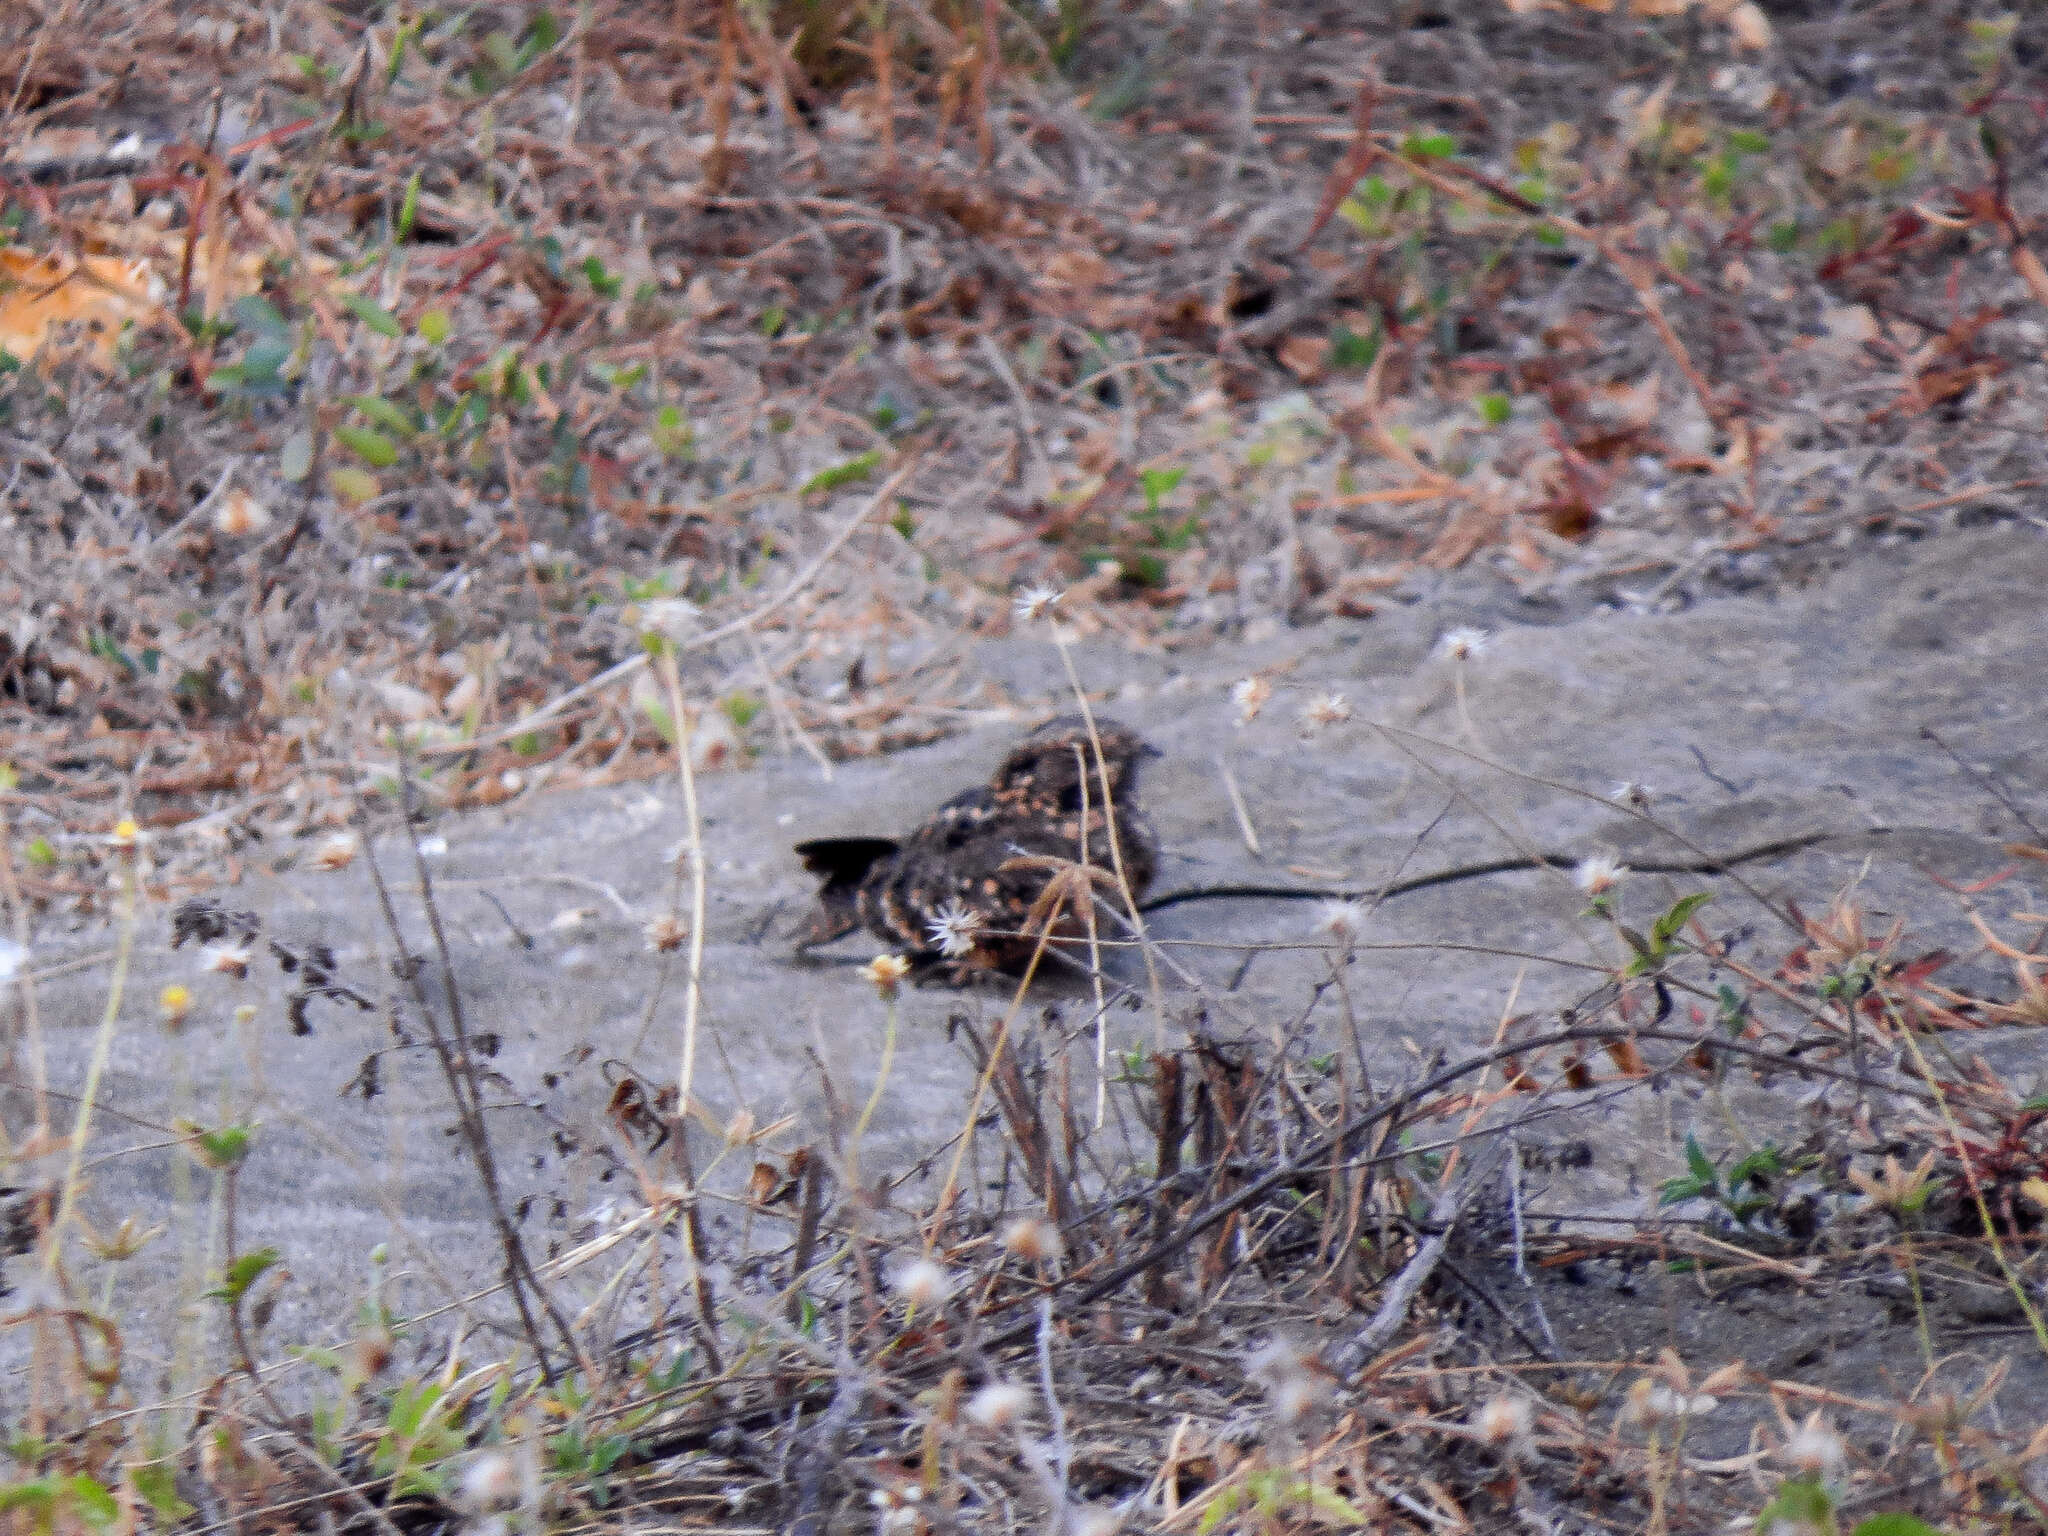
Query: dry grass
point(539, 400)
point(467, 342)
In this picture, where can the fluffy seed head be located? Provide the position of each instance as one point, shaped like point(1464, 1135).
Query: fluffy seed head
point(1249, 695)
point(1324, 709)
point(1504, 1421)
point(1651, 1403)
point(1464, 642)
point(1599, 874)
point(1816, 1449)
point(228, 959)
point(1033, 1239)
point(924, 1283)
point(1036, 602)
point(665, 933)
point(335, 852)
point(954, 928)
point(1295, 1397)
point(1343, 921)
point(239, 513)
point(998, 1405)
point(489, 1482)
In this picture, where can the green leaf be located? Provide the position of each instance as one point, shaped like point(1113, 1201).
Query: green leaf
point(657, 713)
point(672, 433)
point(1348, 349)
point(372, 314)
point(92, 1500)
point(1679, 1189)
point(355, 486)
point(383, 413)
point(295, 459)
point(605, 284)
point(369, 445)
point(1495, 409)
point(409, 208)
point(1894, 1524)
point(243, 1273)
point(852, 472)
point(1667, 927)
point(1764, 1163)
point(1700, 1165)
point(1429, 146)
point(1158, 484)
point(257, 313)
point(1801, 1504)
point(158, 1486)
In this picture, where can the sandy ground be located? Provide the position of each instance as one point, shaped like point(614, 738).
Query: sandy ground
point(1746, 719)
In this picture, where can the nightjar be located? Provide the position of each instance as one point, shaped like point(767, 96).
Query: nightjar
point(957, 895)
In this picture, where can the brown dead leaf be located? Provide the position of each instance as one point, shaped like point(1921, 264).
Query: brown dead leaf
point(1305, 356)
point(1078, 267)
point(100, 294)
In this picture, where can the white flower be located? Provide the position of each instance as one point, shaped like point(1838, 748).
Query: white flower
point(1629, 792)
point(1343, 921)
point(953, 929)
point(1249, 695)
point(1599, 874)
point(1036, 602)
point(1464, 642)
point(998, 1405)
point(1330, 708)
point(924, 1283)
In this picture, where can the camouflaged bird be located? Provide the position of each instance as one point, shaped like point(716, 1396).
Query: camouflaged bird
point(957, 896)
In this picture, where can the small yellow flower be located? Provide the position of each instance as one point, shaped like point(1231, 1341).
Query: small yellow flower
point(124, 834)
point(887, 973)
point(174, 1002)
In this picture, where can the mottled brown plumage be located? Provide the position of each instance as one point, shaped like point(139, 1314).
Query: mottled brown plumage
point(959, 892)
